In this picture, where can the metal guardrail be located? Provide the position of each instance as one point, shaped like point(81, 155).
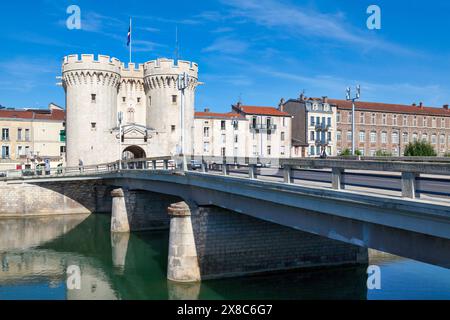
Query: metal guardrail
point(251, 167)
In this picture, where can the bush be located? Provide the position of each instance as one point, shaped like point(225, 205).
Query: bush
point(420, 149)
point(383, 153)
point(347, 152)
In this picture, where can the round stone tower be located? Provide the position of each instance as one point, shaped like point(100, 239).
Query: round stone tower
point(91, 88)
point(164, 105)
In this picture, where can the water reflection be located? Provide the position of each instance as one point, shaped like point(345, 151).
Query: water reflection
point(133, 266)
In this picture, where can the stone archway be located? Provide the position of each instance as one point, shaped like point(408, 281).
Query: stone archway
point(133, 152)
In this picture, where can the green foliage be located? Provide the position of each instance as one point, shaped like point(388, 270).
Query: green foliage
point(347, 152)
point(420, 149)
point(383, 153)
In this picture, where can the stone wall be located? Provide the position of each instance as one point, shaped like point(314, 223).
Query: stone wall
point(51, 198)
point(232, 244)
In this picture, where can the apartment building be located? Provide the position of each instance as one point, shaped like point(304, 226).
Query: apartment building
point(313, 126)
point(246, 131)
point(32, 134)
point(390, 127)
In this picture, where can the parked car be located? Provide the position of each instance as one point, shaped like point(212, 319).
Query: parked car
point(2, 174)
point(195, 164)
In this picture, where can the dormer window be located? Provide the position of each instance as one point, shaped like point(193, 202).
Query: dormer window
point(93, 98)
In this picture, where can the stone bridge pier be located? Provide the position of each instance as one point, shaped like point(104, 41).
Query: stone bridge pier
point(210, 243)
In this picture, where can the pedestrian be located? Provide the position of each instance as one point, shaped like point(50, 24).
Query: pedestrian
point(80, 165)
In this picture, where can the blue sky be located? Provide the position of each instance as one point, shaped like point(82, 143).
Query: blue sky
point(259, 50)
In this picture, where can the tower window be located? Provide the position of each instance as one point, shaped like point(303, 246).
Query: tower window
point(93, 125)
point(173, 128)
point(93, 98)
point(124, 99)
point(138, 100)
point(174, 99)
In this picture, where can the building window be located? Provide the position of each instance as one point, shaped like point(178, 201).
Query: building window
point(373, 118)
point(329, 136)
point(235, 124)
point(424, 121)
point(349, 136)
point(338, 117)
point(5, 152)
point(329, 121)
point(383, 137)
point(284, 122)
point(124, 99)
point(433, 138)
point(405, 137)
point(269, 135)
point(223, 152)
point(149, 101)
point(282, 136)
point(405, 121)
point(5, 134)
point(384, 119)
point(433, 123)
point(312, 121)
point(19, 134)
point(395, 137)
point(282, 150)
point(27, 134)
point(361, 117)
point(206, 132)
point(62, 135)
point(269, 149)
point(223, 138)
point(19, 151)
point(394, 119)
point(338, 135)
point(62, 149)
point(206, 147)
point(93, 126)
point(424, 137)
point(173, 128)
point(414, 137)
point(222, 125)
point(93, 98)
point(373, 137)
point(362, 136)
point(443, 123)
point(255, 150)
point(130, 115)
point(442, 139)
point(349, 117)
point(138, 100)
point(415, 121)
point(236, 138)
point(174, 99)
point(311, 135)
point(312, 150)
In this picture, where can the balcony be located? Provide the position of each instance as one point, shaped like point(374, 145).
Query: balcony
point(259, 126)
point(322, 127)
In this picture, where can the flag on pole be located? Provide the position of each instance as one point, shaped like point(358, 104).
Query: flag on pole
point(129, 35)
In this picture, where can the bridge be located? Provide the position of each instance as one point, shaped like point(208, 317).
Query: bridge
point(236, 216)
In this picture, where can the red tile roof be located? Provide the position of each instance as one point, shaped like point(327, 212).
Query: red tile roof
point(386, 107)
point(54, 115)
point(218, 115)
point(266, 111)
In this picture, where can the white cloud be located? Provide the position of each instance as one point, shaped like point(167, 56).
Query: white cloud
point(227, 45)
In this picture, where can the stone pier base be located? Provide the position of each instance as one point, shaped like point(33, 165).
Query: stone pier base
point(182, 261)
point(119, 216)
point(211, 243)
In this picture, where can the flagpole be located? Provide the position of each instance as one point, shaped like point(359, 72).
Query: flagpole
point(131, 36)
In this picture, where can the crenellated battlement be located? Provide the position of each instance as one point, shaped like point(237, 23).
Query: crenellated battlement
point(132, 71)
point(165, 66)
point(88, 62)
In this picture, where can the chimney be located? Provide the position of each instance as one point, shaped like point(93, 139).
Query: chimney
point(445, 106)
point(325, 99)
point(239, 104)
point(281, 104)
point(414, 104)
point(302, 96)
point(206, 109)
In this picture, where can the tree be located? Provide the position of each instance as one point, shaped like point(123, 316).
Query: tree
point(420, 149)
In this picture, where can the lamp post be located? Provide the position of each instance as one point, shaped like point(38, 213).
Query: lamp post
point(119, 119)
point(352, 99)
point(183, 82)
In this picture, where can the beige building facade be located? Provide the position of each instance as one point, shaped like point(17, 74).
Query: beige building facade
point(30, 136)
point(246, 131)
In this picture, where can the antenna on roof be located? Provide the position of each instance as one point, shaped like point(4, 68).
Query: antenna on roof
point(177, 50)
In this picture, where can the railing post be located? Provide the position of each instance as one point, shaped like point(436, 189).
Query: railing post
point(287, 173)
point(336, 178)
point(409, 184)
point(154, 164)
point(166, 165)
point(252, 171)
point(224, 168)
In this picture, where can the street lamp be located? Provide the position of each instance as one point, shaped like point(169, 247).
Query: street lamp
point(119, 119)
point(183, 82)
point(352, 99)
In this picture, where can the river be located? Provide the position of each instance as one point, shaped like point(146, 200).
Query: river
point(37, 253)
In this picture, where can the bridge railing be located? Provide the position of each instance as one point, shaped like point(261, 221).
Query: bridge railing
point(287, 170)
